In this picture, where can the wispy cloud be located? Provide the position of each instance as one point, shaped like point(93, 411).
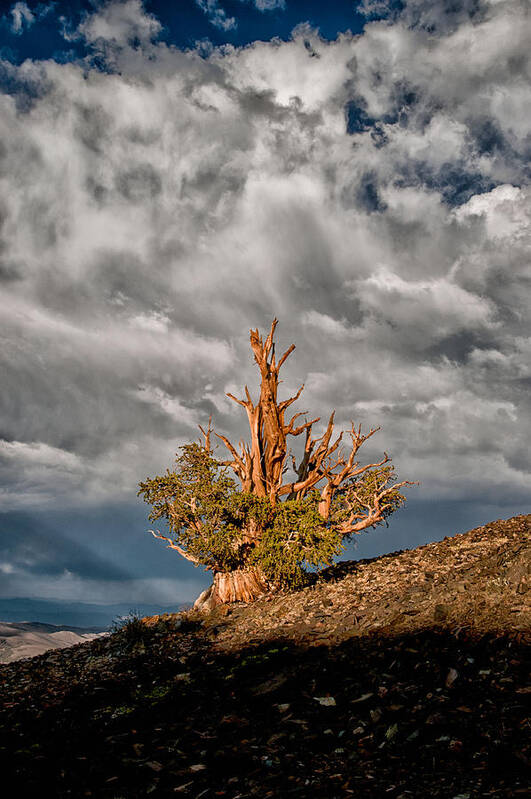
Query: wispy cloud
point(217, 16)
point(268, 5)
point(22, 17)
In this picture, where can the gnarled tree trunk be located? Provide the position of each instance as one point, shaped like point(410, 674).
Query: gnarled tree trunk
point(241, 585)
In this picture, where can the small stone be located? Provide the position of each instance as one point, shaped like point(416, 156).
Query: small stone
point(451, 677)
point(361, 698)
point(184, 677)
point(269, 686)
point(326, 701)
point(391, 732)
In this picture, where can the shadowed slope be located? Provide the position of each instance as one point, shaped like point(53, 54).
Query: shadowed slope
point(288, 698)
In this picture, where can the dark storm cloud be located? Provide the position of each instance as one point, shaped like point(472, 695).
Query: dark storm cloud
point(374, 198)
point(88, 557)
point(42, 549)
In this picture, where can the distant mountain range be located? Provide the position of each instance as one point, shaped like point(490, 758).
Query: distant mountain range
point(65, 614)
point(25, 640)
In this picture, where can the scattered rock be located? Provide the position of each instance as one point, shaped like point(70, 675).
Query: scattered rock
point(270, 686)
point(362, 698)
point(451, 677)
point(326, 701)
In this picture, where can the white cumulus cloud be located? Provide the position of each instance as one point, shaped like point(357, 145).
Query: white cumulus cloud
point(120, 22)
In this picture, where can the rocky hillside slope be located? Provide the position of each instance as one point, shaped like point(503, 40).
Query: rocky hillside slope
point(404, 676)
point(477, 582)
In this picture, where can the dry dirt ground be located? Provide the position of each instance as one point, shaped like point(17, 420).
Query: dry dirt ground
point(403, 676)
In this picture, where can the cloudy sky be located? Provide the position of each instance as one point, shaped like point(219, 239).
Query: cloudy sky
point(171, 178)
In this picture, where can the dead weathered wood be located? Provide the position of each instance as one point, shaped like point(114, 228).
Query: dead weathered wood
point(261, 466)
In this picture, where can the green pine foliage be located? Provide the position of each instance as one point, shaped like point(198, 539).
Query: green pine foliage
point(296, 538)
point(195, 500)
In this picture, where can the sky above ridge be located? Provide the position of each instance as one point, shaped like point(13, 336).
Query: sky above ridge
point(174, 174)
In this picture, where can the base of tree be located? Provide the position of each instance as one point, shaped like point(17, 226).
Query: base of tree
point(236, 586)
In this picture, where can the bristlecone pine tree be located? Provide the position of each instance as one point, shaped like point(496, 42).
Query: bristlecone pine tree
point(260, 535)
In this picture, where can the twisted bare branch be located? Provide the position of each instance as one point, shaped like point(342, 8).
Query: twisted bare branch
point(173, 545)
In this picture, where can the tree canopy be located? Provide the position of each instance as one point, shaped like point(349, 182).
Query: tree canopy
point(260, 518)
